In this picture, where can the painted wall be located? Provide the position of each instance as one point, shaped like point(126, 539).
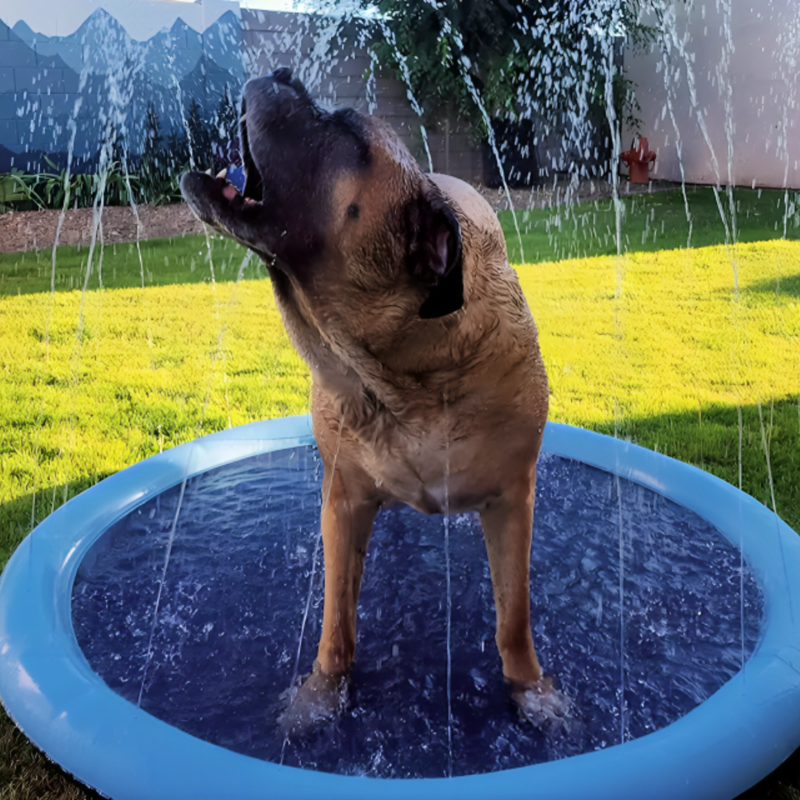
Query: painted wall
point(70, 71)
point(705, 88)
point(77, 73)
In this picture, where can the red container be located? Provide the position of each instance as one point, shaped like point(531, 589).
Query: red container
point(639, 160)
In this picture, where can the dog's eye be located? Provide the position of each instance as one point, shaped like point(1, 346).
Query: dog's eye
point(352, 211)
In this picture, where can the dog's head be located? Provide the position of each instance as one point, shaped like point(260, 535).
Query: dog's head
point(333, 200)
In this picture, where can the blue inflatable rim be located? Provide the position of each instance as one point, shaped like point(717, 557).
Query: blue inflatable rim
point(728, 743)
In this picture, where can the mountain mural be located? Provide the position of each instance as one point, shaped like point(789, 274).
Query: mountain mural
point(70, 52)
point(99, 76)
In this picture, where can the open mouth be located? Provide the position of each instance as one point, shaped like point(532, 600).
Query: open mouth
point(231, 193)
point(214, 200)
point(281, 97)
point(243, 210)
point(253, 185)
point(253, 192)
point(219, 203)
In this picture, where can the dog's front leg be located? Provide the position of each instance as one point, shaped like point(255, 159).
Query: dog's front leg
point(507, 528)
point(347, 517)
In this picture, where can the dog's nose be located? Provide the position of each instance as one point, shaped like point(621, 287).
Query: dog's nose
point(277, 95)
point(281, 74)
point(279, 81)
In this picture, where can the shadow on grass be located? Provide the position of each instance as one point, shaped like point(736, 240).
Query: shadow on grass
point(782, 784)
point(785, 287)
point(26, 774)
point(165, 262)
point(651, 222)
point(708, 439)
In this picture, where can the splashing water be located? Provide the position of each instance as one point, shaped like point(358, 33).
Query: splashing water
point(73, 129)
point(293, 685)
point(170, 541)
point(448, 588)
point(238, 583)
point(463, 63)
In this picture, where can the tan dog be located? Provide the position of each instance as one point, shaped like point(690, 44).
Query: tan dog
point(428, 384)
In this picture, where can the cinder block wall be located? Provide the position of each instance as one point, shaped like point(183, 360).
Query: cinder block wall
point(99, 73)
point(39, 89)
point(300, 41)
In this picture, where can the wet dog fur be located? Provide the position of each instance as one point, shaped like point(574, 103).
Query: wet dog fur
point(428, 387)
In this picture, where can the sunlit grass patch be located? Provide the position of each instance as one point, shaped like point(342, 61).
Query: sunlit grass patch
point(662, 349)
point(655, 346)
point(154, 368)
point(667, 330)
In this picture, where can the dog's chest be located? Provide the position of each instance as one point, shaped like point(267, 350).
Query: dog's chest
point(443, 467)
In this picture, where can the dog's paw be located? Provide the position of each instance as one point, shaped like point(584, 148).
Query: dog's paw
point(318, 700)
point(543, 705)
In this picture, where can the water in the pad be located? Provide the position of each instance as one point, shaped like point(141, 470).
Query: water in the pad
point(225, 640)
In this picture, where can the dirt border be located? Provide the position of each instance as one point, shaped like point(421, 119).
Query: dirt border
point(21, 231)
point(36, 230)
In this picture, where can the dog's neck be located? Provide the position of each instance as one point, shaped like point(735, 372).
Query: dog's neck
point(402, 366)
point(364, 383)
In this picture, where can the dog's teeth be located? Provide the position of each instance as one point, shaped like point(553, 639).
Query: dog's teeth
point(243, 119)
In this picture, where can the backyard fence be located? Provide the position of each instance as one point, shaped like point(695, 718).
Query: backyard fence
point(101, 94)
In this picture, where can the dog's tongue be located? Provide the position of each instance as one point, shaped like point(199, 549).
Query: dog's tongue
point(230, 192)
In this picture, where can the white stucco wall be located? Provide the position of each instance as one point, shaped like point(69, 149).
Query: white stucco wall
point(746, 92)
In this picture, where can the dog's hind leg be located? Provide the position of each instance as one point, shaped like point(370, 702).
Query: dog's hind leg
point(507, 528)
point(507, 523)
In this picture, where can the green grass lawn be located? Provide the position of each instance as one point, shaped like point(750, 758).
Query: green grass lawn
point(650, 222)
point(655, 346)
point(164, 262)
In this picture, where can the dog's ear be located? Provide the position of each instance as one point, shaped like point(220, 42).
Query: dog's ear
point(434, 252)
point(434, 238)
